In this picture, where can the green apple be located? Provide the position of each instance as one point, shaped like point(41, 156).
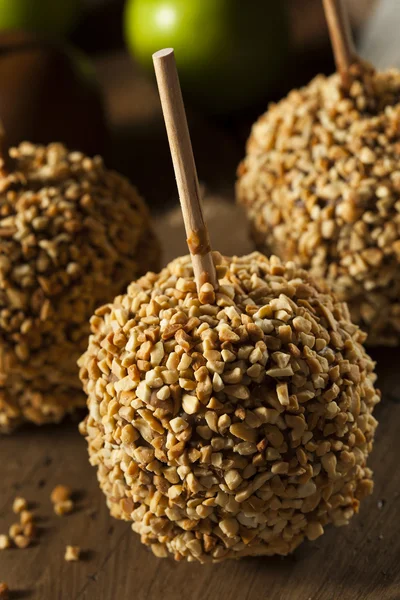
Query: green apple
point(229, 52)
point(51, 17)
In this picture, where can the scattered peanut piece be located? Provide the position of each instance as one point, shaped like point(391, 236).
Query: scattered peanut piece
point(60, 493)
point(72, 553)
point(26, 516)
point(5, 541)
point(22, 541)
point(30, 530)
point(15, 530)
point(63, 508)
point(19, 505)
point(4, 591)
point(61, 499)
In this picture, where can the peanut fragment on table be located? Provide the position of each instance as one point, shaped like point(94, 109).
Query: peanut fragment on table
point(64, 508)
point(22, 541)
point(61, 499)
point(5, 541)
point(30, 530)
point(72, 553)
point(19, 505)
point(15, 529)
point(60, 493)
point(26, 516)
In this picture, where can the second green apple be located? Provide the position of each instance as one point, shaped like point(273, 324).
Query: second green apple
point(229, 52)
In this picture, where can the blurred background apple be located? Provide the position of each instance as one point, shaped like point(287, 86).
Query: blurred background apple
point(229, 52)
point(49, 92)
point(52, 17)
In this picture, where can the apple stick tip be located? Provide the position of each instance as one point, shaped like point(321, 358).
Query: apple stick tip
point(184, 167)
point(163, 53)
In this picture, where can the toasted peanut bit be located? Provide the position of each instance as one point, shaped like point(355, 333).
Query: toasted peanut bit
point(15, 529)
point(25, 517)
point(233, 427)
point(5, 542)
point(72, 553)
point(22, 541)
point(63, 508)
point(207, 294)
point(72, 234)
point(19, 505)
point(30, 530)
point(4, 591)
point(321, 186)
point(60, 493)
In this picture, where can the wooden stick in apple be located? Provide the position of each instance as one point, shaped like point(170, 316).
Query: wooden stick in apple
point(5, 159)
point(184, 166)
point(341, 38)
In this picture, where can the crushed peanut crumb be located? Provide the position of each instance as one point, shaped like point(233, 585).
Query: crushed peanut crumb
point(19, 505)
point(63, 508)
point(5, 541)
point(25, 517)
point(22, 541)
point(72, 553)
point(60, 493)
point(30, 530)
point(231, 426)
point(4, 591)
point(15, 529)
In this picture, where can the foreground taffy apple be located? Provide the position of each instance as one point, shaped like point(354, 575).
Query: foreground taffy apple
point(230, 399)
point(321, 186)
point(72, 234)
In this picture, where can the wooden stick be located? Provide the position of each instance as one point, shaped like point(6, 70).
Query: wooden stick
point(185, 169)
point(341, 38)
point(5, 159)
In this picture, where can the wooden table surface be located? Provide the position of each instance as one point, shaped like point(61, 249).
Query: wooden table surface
point(358, 562)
